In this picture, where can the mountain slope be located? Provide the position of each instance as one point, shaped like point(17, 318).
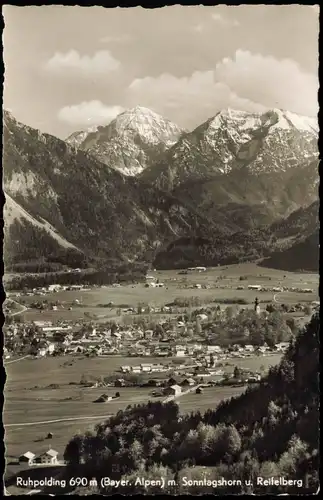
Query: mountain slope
point(296, 241)
point(303, 255)
point(131, 142)
point(270, 432)
point(252, 200)
point(274, 141)
point(284, 244)
point(92, 206)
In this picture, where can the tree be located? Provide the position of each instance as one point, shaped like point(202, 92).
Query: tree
point(232, 440)
point(237, 373)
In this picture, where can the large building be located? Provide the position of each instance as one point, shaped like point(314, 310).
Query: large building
point(27, 458)
point(48, 457)
point(173, 390)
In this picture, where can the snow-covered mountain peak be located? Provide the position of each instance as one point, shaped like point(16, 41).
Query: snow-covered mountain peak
point(288, 120)
point(272, 119)
point(131, 141)
point(76, 138)
point(150, 125)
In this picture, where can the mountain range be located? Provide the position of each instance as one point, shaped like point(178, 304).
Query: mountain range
point(142, 188)
point(131, 142)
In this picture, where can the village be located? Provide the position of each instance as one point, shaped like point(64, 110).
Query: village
point(140, 339)
point(195, 336)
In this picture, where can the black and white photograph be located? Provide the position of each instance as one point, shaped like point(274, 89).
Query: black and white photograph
point(161, 311)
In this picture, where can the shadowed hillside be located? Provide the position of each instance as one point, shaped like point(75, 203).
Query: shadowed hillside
point(270, 431)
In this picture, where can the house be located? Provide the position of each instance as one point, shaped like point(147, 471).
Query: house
point(249, 348)
point(202, 317)
point(125, 369)
point(170, 382)
point(213, 349)
point(136, 369)
point(120, 382)
point(148, 334)
point(254, 287)
point(51, 348)
point(180, 353)
point(54, 288)
point(27, 458)
point(282, 346)
point(188, 382)
point(48, 457)
point(198, 286)
point(173, 390)
point(145, 367)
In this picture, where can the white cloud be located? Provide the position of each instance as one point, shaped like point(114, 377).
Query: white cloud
point(101, 63)
point(89, 113)
point(198, 28)
point(198, 95)
point(247, 82)
point(218, 18)
point(274, 83)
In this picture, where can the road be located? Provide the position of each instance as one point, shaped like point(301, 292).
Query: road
point(15, 360)
point(22, 310)
point(69, 419)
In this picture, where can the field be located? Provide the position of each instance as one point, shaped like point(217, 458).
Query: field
point(223, 283)
point(210, 398)
point(25, 404)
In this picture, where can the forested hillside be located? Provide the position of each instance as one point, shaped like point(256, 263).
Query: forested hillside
point(271, 432)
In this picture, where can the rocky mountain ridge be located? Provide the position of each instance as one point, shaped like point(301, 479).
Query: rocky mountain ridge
point(230, 141)
point(94, 208)
point(61, 197)
point(130, 142)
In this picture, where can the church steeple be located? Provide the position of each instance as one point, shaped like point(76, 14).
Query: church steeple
point(257, 306)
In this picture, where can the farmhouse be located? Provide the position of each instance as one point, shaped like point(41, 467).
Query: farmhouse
point(188, 381)
point(27, 458)
point(173, 390)
point(148, 334)
point(254, 287)
point(282, 346)
point(49, 457)
point(52, 329)
point(54, 288)
point(145, 367)
point(202, 317)
point(213, 348)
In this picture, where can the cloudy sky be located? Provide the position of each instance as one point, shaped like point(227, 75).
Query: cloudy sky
point(69, 68)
